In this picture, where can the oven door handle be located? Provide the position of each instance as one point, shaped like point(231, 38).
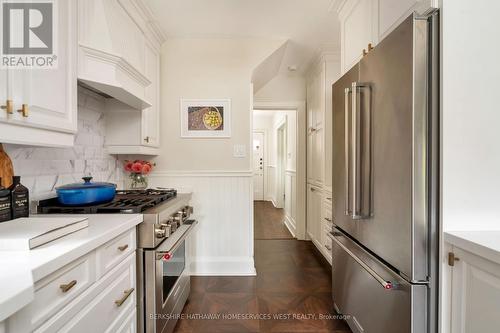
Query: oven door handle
point(159, 254)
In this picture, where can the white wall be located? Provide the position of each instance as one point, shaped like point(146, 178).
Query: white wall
point(283, 87)
point(471, 114)
point(208, 68)
point(43, 169)
point(221, 184)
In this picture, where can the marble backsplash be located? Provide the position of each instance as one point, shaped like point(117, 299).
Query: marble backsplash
point(43, 169)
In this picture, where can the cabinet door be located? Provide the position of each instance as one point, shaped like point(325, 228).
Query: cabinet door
point(51, 94)
point(318, 158)
point(357, 30)
point(4, 93)
point(314, 213)
point(151, 115)
point(392, 13)
point(475, 294)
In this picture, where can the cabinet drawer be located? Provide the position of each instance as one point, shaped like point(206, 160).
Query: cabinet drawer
point(96, 310)
point(114, 251)
point(58, 289)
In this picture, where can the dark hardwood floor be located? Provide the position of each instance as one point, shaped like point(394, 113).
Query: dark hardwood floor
point(268, 221)
point(291, 291)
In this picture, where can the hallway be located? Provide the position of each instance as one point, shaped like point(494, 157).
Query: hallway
point(269, 221)
point(291, 291)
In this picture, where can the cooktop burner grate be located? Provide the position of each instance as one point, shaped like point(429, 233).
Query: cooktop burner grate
point(125, 201)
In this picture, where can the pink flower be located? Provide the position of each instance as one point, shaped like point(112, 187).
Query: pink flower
point(128, 166)
point(137, 167)
point(146, 168)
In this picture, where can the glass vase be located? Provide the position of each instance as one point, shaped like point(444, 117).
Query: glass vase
point(138, 181)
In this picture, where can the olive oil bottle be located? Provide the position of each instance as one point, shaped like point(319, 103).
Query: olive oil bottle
point(5, 211)
point(19, 196)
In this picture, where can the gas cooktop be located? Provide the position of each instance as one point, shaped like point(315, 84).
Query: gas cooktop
point(125, 201)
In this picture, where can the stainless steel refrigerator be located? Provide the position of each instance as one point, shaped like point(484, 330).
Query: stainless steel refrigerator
point(386, 183)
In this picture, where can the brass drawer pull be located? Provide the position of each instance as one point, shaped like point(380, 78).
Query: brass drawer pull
point(328, 219)
point(127, 293)
point(66, 287)
point(123, 247)
point(8, 107)
point(24, 110)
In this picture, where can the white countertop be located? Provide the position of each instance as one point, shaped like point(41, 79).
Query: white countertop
point(484, 243)
point(20, 269)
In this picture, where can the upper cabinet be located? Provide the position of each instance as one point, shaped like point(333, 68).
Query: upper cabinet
point(320, 78)
point(363, 23)
point(39, 103)
point(119, 55)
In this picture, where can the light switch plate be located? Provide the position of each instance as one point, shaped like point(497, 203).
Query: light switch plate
point(239, 151)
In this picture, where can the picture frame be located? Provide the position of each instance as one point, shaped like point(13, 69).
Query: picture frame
point(205, 118)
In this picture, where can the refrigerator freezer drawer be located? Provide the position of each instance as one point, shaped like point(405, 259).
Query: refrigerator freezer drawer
point(373, 297)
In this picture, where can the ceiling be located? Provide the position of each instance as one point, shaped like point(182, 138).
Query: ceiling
point(307, 24)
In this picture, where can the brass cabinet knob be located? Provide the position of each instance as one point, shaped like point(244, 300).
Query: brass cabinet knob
point(8, 107)
point(370, 47)
point(364, 52)
point(147, 139)
point(68, 286)
point(24, 110)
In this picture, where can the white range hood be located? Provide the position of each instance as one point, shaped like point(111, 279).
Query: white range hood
point(112, 75)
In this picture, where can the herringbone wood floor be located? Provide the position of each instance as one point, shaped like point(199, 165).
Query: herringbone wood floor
point(293, 281)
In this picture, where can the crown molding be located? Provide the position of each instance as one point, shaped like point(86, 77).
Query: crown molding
point(152, 23)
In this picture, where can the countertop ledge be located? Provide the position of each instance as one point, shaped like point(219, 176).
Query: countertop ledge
point(484, 243)
point(19, 270)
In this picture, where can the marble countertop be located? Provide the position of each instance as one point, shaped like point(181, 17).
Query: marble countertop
point(20, 269)
point(484, 243)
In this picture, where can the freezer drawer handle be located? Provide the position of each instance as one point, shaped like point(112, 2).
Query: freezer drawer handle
point(385, 284)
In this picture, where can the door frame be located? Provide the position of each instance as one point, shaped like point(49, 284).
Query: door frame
point(301, 131)
point(281, 145)
point(264, 165)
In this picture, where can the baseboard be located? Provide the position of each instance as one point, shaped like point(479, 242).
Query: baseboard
point(222, 266)
point(290, 224)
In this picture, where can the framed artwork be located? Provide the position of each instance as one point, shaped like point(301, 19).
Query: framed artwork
point(205, 118)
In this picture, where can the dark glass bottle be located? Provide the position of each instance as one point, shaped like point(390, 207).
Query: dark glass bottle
point(5, 211)
point(19, 196)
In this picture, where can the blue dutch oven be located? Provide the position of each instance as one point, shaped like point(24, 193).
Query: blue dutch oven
point(86, 193)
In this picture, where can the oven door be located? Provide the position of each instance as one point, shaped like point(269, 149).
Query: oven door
point(166, 282)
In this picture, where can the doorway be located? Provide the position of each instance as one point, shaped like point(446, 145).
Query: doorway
point(258, 165)
point(274, 173)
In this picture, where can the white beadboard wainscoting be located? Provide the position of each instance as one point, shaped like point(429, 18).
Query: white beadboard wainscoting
point(223, 204)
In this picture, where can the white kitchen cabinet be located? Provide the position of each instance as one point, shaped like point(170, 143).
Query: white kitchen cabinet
point(319, 113)
point(127, 71)
point(364, 22)
point(314, 197)
point(44, 114)
point(475, 293)
point(93, 293)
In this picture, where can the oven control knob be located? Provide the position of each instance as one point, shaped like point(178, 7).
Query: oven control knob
point(160, 233)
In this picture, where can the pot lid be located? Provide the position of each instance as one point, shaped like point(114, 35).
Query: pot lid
point(87, 184)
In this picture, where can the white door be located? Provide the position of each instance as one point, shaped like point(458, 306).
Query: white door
point(258, 166)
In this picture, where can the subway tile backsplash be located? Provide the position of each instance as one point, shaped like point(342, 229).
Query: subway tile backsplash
point(43, 169)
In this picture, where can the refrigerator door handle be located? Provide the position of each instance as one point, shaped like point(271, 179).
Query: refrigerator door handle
point(347, 208)
point(387, 285)
point(361, 174)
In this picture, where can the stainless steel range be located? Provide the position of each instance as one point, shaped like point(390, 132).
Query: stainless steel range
point(163, 282)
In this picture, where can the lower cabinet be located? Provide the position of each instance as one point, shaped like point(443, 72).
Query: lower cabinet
point(475, 293)
point(84, 297)
point(319, 219)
